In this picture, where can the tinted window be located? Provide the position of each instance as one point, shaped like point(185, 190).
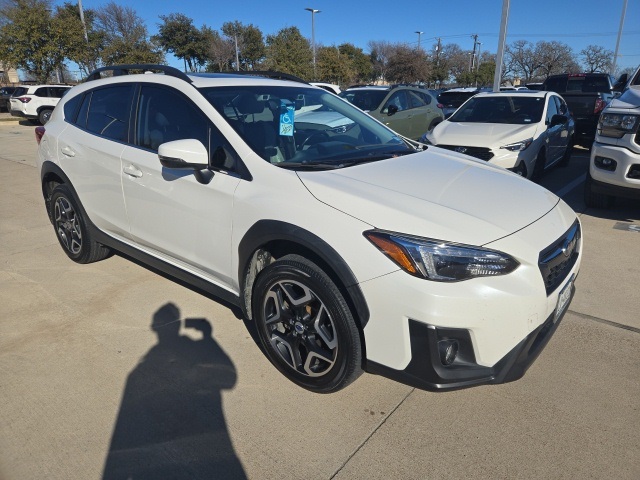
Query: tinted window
point(399, 99)
point(71, 108)
point(514, 109)
point(426, 97)
point(416, 100)
point(455, 99)
point(562, 107)
point(552, 109)
point(366, 100)
point(557, 84)
point(42, 92)
point(57, 92)
point(165, 115)
point(109, 111)
point(19, 91)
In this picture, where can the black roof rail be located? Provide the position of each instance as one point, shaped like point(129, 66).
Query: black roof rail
point(124, 70)
point(270, 74)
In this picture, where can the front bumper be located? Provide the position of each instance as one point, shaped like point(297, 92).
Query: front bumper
point(426, 371)
point(616, 182)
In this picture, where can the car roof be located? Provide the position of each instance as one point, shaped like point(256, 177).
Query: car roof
point(516, 93)
point(461, 89)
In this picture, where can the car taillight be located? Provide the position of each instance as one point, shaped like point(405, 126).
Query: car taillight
point(39, 134)
point(24, 99)
point(600, 104)
point(440, 106)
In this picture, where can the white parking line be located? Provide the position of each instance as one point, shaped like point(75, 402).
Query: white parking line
point(567, 188)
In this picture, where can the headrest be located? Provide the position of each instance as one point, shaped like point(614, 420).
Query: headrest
point(161, 120)
point(249, 104)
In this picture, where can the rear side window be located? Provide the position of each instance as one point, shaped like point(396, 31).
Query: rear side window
point(71, 108)
point(19, 91)
point(42, 92)
point(57, 92)
point(415, 100)
point(105, 111)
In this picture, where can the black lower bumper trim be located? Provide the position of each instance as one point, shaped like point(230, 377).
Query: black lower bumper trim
point(614, 190)
point(425, 370)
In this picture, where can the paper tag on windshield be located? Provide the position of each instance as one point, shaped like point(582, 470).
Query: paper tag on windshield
point(286, 119)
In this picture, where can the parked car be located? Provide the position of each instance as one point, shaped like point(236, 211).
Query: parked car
point(348, 250)
point(410, 111)
point(5, 95)
point(586, 94)
point(329, 87)
point(36, 102)
point(453, 98)
point(614, 167)
point(526, 132)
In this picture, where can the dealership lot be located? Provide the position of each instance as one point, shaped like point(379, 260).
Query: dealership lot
point(86, 371)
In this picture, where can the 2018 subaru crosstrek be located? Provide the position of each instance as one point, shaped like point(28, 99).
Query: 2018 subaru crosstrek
point(350, 248)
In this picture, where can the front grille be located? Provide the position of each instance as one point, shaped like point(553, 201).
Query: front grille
point(634, 172)
point(478, 152)
point(557, 260)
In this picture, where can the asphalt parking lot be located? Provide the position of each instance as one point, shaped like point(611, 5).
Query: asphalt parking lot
point(90, 386)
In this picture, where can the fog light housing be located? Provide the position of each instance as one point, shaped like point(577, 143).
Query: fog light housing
point(448, 350)
point(605, 163)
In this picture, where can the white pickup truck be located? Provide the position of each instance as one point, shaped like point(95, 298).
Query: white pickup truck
point(614, 168)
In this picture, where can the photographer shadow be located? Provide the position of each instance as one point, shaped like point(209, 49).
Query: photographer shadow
point(171, 424)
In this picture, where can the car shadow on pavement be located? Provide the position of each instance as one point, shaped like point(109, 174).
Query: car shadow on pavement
point(171, 424)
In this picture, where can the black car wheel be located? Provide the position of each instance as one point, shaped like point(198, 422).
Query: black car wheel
point(305, 326)
point(71, 228)
point(44, 115)
point(539, 165)
point(564, 161)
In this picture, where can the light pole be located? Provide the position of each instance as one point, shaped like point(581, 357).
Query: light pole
point(313, 37)
point(419, 35)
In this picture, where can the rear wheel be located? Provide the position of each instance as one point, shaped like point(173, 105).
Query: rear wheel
point(305, 325)
point(44, 115)
point(595, 199)
point(538, 167)
point(564, 161)
point(71, 228)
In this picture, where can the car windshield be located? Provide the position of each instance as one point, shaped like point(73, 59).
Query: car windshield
point(304, 128)
point(367, 100)
point(518, 110)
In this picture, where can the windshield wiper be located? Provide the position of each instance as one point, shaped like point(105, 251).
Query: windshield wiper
point(309, 166)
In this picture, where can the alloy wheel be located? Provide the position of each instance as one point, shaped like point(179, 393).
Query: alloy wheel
point(67, 225)
point(300, 328)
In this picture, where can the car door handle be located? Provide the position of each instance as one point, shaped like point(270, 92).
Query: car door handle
point(132, 171)
point(68, 151)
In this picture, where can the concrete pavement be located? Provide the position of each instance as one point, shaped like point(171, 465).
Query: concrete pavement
point(100, 373)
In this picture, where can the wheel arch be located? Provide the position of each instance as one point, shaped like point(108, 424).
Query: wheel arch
point(268, 240)
point(52, 175)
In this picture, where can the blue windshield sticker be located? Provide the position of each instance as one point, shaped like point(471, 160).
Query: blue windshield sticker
point(287, 112)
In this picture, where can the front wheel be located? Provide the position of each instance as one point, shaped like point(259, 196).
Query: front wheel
point(71, 228)
point(305, 325)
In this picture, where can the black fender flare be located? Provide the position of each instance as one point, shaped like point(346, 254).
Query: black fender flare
point(266, 231)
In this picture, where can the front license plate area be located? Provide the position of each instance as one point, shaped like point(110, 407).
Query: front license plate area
point(563, 299)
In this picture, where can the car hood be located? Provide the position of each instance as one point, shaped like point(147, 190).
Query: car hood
point(628, 100)
point(434, 194)
point(490, 135)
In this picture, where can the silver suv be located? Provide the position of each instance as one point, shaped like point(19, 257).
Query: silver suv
point(36, 102)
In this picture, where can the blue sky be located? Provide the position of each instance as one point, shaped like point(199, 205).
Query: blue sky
point(577, 23)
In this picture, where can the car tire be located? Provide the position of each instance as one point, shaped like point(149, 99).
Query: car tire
point(594, 199)
point(71, 228)
point(434, 124)
point(538, 166)
point(306, 327)
point(44, 115)
point(564, 161)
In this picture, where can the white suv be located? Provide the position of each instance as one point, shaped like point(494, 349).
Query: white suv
point(36, 101)
point(614, 169)
point(348, 247)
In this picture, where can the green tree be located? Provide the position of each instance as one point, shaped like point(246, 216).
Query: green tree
point(178, 35)
point(333, 67)
point(126, 37)
point(289, 52)
point(32, 38)
point(85, 52)
point(360, 64)
point(408, 65)
point(251, 48)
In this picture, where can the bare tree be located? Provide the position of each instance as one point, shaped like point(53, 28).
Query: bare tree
point(555, 57)
point(221, 52)
point(597, 58)
point(380, 53)
point(521, 60)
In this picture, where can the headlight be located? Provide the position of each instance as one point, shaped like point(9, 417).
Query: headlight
point(617, 125)
point(441, 261)
point(518, 146)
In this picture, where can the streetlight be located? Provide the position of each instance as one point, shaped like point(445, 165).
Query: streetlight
point(419, 35)
point(313, 37)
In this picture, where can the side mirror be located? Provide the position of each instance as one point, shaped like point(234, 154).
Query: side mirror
point(189, 153)
point(392, 110)
point(621, 82)
point(558, 120)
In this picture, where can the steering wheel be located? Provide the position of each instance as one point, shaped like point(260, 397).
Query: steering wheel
point(314, 138)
